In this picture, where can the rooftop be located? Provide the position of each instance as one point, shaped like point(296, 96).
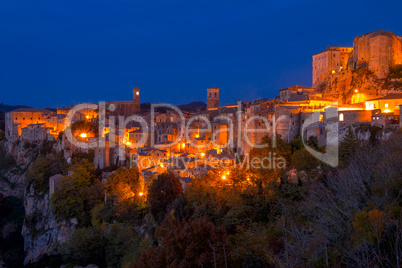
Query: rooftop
point(31, 110)
point(389, 97)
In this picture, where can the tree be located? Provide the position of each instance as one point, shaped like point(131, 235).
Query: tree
point(188, 244)
point(42, 169)
point(250, 246)
point(272, 159)
point(348, 145)
point(313, 143)
point(296, 143)
point(86, 246)
point(125, 184)
point(303, 160)
point(164, 190)
point(122, 244)
point(84, 127)
point(78, 194)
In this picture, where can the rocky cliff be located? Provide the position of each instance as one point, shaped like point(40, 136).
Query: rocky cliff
point(354, 86)
point(42, 233)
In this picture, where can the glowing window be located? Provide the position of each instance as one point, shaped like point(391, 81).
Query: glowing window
point(386, 105)
point(341, 117)
point(321, 118)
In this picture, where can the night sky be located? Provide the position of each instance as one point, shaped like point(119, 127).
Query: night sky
point(58, 53)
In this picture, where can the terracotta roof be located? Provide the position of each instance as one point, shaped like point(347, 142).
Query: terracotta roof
point(222, 156)
point(31, 110)
point(389, 97)
point(297, 87)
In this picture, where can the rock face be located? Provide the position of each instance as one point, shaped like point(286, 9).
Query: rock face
point(12, 180)
point(42, 233)
point(354, 86)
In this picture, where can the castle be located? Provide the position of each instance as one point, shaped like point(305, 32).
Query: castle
point(377, 51)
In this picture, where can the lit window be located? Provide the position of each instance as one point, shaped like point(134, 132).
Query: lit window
point(321, 118)
point(341, 117)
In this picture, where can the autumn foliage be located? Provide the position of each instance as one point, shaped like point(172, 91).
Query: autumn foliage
point(188, 244)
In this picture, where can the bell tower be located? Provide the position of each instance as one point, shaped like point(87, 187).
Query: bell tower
point(136, 99)
point(212, 98)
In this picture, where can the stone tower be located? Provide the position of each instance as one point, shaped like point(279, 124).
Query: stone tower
point(136, 94)
point(212, 98)
point(377, 51)
point(136, 99)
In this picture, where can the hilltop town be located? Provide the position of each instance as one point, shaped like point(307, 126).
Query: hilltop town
point(354, 89)
point(226, 132)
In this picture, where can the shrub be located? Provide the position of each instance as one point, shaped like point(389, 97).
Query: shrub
point(188, 244)
point(395, 71)
point(42, 169)
point(6, 159)
point(86, 246)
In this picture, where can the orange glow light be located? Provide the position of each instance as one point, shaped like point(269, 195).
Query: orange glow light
point(83, 135)
point(202, 154)
point(223, 177)
point(141, 193)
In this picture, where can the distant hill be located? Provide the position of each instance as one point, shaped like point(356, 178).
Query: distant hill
point(4, 108)
point(193, 106)
point(2, 121)
point(190, 107)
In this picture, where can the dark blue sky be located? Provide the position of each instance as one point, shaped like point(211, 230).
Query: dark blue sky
point(56, 53)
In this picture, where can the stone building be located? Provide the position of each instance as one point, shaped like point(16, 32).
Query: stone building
point(125, 108)
point(54, 183)
point(333, 59)
point(20, 118)
point(377, 51)
point(212, 98)
point(384, 119)
point(35, 133)
point(141, 137)
point(387, 104)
